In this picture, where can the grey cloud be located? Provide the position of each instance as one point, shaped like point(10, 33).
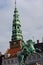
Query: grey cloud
point(31, 17)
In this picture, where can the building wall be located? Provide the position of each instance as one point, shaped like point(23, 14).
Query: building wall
point(32, 59)
point(11, 61)
point(35, 58)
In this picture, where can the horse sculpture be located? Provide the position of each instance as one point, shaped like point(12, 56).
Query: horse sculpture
point(27, 49)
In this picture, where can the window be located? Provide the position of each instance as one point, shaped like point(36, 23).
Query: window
point(12, 61)
point(8, 61)
point(4, 62)
point(38, 56)
point(15, 61)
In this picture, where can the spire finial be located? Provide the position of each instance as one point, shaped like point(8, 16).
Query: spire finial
point(16, 31)
point(15, 3)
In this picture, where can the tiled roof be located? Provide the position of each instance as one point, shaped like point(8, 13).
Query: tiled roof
point(13, 52)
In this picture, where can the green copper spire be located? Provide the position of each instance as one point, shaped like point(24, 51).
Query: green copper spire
point(16, 27)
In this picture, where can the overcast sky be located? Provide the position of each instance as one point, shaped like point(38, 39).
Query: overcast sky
point(31, 17)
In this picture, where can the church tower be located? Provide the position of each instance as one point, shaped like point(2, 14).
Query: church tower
point(16, 38)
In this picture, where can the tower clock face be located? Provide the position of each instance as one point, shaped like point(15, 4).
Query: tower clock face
point(14, 42)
